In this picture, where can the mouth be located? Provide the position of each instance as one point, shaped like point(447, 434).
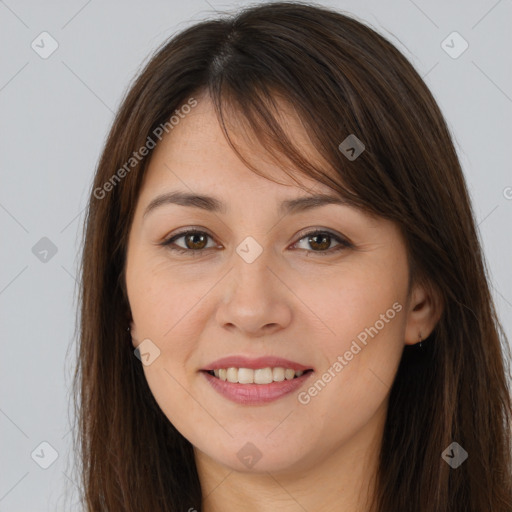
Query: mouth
point(260, 376)
point(247, 386)
point(255, 381)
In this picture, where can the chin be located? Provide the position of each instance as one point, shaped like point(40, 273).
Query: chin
point(259, 457)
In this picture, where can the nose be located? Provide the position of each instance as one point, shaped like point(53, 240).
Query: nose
point(255, 298)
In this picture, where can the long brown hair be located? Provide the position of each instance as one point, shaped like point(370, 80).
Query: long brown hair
point(342, 78)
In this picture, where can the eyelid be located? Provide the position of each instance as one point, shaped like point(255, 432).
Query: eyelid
point(316, 230)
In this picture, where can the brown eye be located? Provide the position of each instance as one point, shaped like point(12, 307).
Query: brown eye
point(193, 241)
point(319, 242)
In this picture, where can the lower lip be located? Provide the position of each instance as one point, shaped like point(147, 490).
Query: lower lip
point(254, 394)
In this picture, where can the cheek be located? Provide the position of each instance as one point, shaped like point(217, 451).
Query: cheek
point(162, 296)
point(361, 365)
point(162, 309)
point(350, 301)
point(360, 320)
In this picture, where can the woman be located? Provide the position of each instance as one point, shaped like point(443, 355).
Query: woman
point(284, 302)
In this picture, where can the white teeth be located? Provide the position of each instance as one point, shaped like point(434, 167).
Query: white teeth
point(289, 374)
point(245, 376)
point(258, 376)
point(263, 376)
point(278, 374)
point(232, 375)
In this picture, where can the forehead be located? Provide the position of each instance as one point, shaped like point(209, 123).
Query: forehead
point(196, 153)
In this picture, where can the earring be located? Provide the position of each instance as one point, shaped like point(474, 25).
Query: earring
point(128, 329)
point(420, 346)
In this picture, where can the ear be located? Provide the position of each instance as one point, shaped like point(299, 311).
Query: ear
point(425, 307)
point(133, 334)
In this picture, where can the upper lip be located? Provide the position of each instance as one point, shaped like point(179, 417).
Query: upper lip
point(255, 363)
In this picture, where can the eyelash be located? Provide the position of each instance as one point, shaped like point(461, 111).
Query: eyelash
point(343, 243)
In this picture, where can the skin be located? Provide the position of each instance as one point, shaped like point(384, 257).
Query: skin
point(291, 302)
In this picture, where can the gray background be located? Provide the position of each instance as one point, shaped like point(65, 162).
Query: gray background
point(55, 115)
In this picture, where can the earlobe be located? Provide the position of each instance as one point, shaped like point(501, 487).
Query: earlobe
point(132, 333)
point(425, 308)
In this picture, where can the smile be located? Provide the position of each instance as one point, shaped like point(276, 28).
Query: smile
point(252, 393)
point(256, 376)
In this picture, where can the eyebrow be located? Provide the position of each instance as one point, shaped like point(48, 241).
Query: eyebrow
point(212, 204)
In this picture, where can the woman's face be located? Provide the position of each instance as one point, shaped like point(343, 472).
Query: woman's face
point(255, 284)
